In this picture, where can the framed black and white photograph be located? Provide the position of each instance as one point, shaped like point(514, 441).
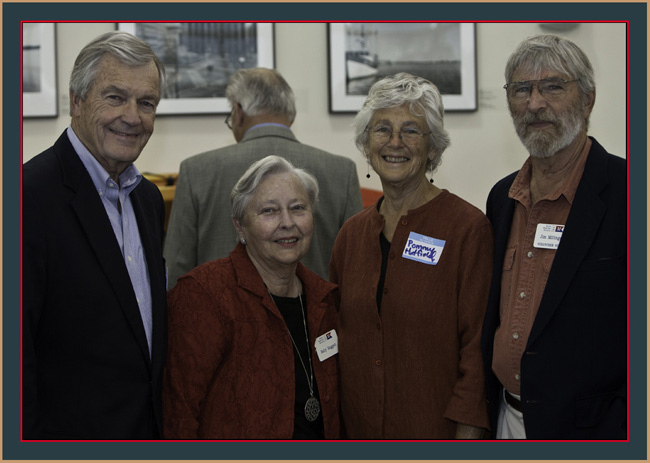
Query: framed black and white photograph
point(39, 70)
point(362, 53)
point(200, 57)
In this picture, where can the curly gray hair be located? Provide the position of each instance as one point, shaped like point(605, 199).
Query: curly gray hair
point(423, 98)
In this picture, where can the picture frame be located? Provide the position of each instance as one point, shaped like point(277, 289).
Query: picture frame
point(200, 57)
point(362, 53)
point(38, 70)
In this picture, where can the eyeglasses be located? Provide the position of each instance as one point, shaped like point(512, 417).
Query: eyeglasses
point(382, 134)
point(228, 117)
point(552, 89)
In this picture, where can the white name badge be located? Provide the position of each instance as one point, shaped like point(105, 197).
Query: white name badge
point(327, 345)
point(423, 249)
point(548, 236)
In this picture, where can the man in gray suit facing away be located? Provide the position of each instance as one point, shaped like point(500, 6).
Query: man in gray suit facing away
point(200, 228)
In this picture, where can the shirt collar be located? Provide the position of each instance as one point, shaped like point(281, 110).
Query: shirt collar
point(520, 189)
point(267, 124)
point(129, 178)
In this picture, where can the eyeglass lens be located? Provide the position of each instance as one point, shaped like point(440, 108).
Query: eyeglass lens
point(383, 134)
point(548, 88)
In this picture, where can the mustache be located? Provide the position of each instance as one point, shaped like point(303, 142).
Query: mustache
point(529, 118)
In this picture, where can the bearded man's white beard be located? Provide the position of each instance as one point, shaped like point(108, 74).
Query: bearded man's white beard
point(545, 143)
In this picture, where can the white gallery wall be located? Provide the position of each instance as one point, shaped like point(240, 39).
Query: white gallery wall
point(484, 146)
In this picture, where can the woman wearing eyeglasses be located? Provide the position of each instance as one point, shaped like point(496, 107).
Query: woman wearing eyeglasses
point(414, 273)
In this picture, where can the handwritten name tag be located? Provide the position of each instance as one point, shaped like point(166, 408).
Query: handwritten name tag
point(423, 249)
point(327, 345)
point(548, 236)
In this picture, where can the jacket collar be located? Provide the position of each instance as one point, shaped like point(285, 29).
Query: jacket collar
point(249, 279)
point(268, 131)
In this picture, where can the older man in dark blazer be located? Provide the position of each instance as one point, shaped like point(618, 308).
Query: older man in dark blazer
point(94, 299)
point(263, 110)
point(555, 332)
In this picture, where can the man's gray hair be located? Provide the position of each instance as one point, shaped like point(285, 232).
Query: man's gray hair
point(271, 165)
point(261, 91)
point(424, 100)
point(127, 48)
point(554, 53)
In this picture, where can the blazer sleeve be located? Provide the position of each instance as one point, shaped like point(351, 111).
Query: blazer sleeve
point(181, 239)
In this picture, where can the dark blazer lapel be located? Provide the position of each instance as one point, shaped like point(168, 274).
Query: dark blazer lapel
point(582, 225)
point(93, 219)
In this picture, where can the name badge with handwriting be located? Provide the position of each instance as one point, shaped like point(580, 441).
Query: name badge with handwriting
point(423, 249)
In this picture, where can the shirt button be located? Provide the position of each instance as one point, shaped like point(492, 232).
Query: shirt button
point(515, 335)
point(378, 363)
point(517, 377)
point(522, 295)
point(405, 222)
point(530, 254)
point(385, 290)
point(129, 257)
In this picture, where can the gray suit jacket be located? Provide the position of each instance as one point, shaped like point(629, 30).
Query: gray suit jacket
point(200, 227)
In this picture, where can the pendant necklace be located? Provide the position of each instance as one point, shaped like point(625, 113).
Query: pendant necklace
point(312, 406)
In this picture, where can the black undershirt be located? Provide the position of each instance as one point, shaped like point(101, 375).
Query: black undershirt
point(289, 307)
point(384, 245)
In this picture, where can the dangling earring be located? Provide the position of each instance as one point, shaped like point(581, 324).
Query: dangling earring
point(431, 179)
point(368, 174)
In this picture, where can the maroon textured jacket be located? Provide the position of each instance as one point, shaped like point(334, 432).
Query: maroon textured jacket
point(230, 367)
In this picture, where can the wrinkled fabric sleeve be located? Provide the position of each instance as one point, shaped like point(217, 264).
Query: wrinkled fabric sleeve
point(468, 402)
point(181, 238)
point(196, 344)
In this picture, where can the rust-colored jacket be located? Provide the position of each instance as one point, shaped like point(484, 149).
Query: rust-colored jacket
point(230, 367)
point(414, 369)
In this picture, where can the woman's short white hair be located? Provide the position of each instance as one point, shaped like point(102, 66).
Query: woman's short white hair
point(271, 165)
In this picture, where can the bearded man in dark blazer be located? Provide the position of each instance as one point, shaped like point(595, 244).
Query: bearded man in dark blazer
point(94, 311)
point(555, 332)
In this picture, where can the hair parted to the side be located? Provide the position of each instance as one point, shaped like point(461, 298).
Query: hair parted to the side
point(423, 98)
point(127, 48)
point(261, 91)
point(271, 165)
point(549, 52)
